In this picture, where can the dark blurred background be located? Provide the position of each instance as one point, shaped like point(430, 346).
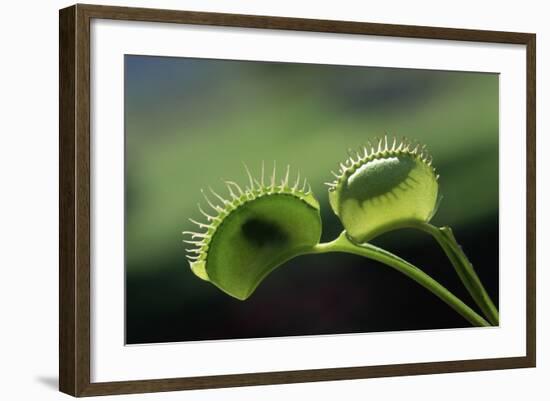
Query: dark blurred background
point(190, 122)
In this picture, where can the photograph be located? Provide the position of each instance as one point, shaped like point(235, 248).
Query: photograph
point(278, 199)
point(251, 199)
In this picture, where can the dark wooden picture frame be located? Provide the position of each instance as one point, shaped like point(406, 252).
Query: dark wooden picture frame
point(74, 200)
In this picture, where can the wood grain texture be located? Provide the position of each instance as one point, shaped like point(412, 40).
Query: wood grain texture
point(74, 199)
point(301, 24)
point(531, 201)
point(74, 206)
point(302, 376)
point(67, 100)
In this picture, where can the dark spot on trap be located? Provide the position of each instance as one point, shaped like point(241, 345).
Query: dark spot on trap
point(262, 233)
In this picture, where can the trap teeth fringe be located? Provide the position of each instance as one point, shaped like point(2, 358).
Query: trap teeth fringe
point(194, 235)
point(250, 179)
point(219, 197)
point(295, 187)
point(223, 206)
point(380, 147)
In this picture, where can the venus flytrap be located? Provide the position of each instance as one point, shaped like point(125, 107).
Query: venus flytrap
point(383, 187)
point(392, 185)
point(251, 231)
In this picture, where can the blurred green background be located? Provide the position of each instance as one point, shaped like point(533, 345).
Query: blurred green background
point(191, 122)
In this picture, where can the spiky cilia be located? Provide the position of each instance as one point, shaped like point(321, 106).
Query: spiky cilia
point(253, 230)
point(384, 186)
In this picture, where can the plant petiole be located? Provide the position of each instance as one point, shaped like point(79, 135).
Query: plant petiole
point(344, 244)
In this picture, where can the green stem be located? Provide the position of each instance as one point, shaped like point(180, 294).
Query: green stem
point(343, 244)
point(444, 236)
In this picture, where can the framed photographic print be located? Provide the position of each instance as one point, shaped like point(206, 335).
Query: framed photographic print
point(251, 200)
